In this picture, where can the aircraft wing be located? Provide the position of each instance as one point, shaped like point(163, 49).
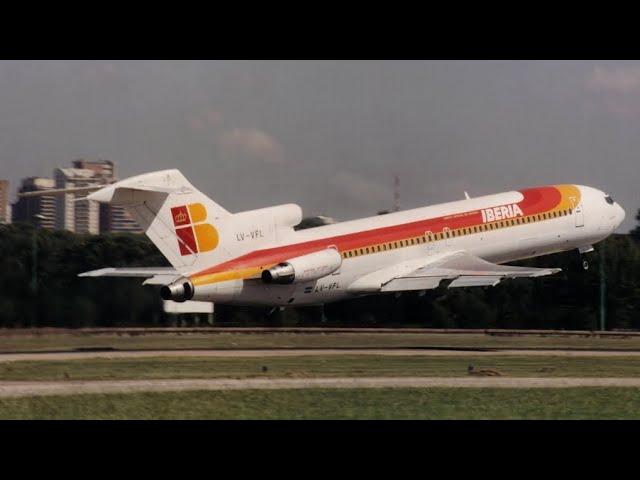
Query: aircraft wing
point(153, 275)
point(461, 267)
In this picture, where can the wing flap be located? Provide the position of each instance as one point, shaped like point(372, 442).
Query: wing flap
point(488, 281)
point(411, 283)
point(463, 268)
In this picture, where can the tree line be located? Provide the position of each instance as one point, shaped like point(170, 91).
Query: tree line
point(39, 287)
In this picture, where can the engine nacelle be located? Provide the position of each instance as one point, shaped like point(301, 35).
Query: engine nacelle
point(179, 291)
point(282, 216)
point(304, 268)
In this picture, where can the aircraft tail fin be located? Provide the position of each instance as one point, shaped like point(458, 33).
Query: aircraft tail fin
point(177, 217)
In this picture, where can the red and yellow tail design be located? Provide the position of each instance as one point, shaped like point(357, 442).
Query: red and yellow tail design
point(194, 236)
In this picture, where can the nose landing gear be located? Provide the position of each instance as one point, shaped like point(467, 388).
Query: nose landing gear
point(581, 252)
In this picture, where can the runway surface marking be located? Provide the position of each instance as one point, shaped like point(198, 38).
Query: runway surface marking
point(27, 389)
point(297, 352)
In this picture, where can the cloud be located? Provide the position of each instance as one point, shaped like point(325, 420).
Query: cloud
point(207, 119)
point(617, 89)
point(616, 79)
point(249, 144)
point(362, 191)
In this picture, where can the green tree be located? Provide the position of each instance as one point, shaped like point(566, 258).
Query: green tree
point(635, 233)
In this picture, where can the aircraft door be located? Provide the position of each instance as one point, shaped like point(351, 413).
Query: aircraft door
point(579, 213)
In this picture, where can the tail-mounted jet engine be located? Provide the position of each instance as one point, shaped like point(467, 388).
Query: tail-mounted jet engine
point(304, 268)
point(179, 291)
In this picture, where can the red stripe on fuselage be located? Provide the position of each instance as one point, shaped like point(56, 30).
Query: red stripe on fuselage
point(535, 200)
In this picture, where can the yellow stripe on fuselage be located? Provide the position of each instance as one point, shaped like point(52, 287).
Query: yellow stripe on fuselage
point(570, 197)
point(239, 274)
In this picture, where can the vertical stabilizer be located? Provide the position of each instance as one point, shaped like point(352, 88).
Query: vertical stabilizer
point(179, 219)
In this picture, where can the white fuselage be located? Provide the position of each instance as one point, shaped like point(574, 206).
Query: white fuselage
point(588, 220)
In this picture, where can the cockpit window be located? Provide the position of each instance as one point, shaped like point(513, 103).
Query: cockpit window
point(608, 199)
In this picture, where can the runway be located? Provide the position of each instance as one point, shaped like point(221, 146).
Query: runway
point(298, 352)
point(28, 389)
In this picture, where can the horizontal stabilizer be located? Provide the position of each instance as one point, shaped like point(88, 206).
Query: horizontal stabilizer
point(155, 275)
point(62, 191)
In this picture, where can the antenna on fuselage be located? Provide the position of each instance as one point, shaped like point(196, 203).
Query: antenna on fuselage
point(466, 195)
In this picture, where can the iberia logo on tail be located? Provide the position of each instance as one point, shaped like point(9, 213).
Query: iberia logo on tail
point(194, 235)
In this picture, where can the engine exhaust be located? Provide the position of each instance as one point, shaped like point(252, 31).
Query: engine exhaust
point(282, 273)
point(178, 291)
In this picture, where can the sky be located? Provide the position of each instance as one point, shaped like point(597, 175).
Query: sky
point(331, 135)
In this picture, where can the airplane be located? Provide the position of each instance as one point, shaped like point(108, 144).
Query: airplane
point(257, 258)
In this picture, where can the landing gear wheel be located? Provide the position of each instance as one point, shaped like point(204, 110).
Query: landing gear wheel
point(585, 264)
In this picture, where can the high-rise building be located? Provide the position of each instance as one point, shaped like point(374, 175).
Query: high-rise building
point(72, 212)
point(39, 210)
point(4, 201)
point(105, 169)
point(113, 218)
point(116, 219)
point(86, 216)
